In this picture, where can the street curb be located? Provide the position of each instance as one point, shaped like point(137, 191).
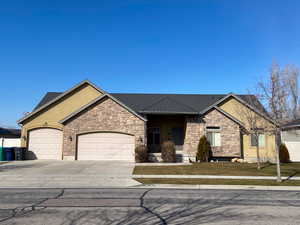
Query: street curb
point(213, 177)
point(176, 186)
point(222, 187)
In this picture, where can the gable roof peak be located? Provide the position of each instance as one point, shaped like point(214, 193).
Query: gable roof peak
point(59, 97)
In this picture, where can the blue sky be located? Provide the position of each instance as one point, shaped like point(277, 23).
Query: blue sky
point(151, 46)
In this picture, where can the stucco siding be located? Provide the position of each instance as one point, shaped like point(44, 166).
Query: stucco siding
point(233, 107)
point(50, 116)
point(266, 153)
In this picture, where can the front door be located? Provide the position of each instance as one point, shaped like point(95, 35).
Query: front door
point(153, 139)
point(178, 137)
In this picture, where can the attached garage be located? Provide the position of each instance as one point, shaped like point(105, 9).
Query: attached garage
point(105, 146)
point(45, 143)
point(294, 150)
point(291, 138)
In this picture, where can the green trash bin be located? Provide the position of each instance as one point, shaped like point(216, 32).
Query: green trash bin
point(2, 154)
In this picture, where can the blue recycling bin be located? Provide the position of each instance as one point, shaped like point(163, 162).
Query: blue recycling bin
point(9, 154)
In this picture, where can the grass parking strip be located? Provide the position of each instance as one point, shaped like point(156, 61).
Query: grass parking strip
point(217, 182)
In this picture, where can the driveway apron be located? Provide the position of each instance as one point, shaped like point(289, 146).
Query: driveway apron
point(66, 174)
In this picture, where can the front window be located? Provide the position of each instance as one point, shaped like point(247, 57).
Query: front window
point(214, 136)
point(261, 140)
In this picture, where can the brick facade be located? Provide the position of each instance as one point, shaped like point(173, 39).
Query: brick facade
point(106, 115)
point(193, 131)
point(230, 134)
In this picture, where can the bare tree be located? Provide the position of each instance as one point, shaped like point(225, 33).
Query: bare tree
point(275, 93)
point(291, 78)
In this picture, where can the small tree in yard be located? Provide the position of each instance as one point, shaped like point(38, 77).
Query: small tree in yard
point(281, 97)
point(168, 152)
point(141, 154)
point(204, 150)
point(284, 155)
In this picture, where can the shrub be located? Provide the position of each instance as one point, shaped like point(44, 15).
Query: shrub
point(141, 154)
point(204, 150)
point(284, 155)
point(168, 152)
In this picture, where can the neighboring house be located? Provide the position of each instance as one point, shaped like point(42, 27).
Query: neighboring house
point(87, 123)
point(10, 137)
point(290, 135)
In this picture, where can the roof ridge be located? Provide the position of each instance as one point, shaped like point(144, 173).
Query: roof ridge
point(171, 99)
point(184, 104)
point(154, 103)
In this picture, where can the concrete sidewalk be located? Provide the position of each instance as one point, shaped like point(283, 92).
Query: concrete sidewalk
point(214, 177)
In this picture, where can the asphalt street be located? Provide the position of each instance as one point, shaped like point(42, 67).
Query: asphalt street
point(148, 206)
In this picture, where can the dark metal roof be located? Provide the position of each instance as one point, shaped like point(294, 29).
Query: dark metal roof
point(10, 133)
point(162, 103)
point(47, 98)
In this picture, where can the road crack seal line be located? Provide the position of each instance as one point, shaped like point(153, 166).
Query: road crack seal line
point(20, 211)
point(162, 220)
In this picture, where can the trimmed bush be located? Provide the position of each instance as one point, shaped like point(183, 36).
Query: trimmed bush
point(141, 154)
point(168, 152)
point(284, 155)
point(204, 150)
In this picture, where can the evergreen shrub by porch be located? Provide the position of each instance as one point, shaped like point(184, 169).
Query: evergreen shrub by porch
point(168, 152)
point(141, 154)
point(204, 150)
point(284, 155)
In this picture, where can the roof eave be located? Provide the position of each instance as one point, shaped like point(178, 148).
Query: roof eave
point(59, 97)
point(241, 101)
point(96, 100)
point(169, 112)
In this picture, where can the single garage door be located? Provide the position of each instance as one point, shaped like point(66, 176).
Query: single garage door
point(294, 150)
point(45, 143)
point(105, 146)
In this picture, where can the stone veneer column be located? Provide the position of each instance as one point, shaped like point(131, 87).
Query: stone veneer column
point(194, 130)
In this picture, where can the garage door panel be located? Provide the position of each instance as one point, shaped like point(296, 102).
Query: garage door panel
point(294, 150)
point(105, 146)
point(45, 143)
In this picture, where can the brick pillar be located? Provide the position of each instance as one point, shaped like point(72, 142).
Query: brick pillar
point(193, 131)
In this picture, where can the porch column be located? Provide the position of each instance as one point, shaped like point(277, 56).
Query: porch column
point(193, 131)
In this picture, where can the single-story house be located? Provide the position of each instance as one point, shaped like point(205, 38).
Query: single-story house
point(88, 123)
point(290, 135)
point(10, 137)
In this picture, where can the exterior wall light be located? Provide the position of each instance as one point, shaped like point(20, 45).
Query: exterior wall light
point(140, 139)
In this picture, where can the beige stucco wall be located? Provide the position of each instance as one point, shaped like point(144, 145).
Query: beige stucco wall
point(233, 107)
point(50, 116)
point(266, 153)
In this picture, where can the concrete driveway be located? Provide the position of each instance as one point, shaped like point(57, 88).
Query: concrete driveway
point(66, 174)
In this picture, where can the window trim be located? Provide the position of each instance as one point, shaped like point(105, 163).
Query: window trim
point(212, 133)
point(259, 145)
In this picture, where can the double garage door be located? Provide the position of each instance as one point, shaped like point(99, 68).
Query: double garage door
point(46, 143)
